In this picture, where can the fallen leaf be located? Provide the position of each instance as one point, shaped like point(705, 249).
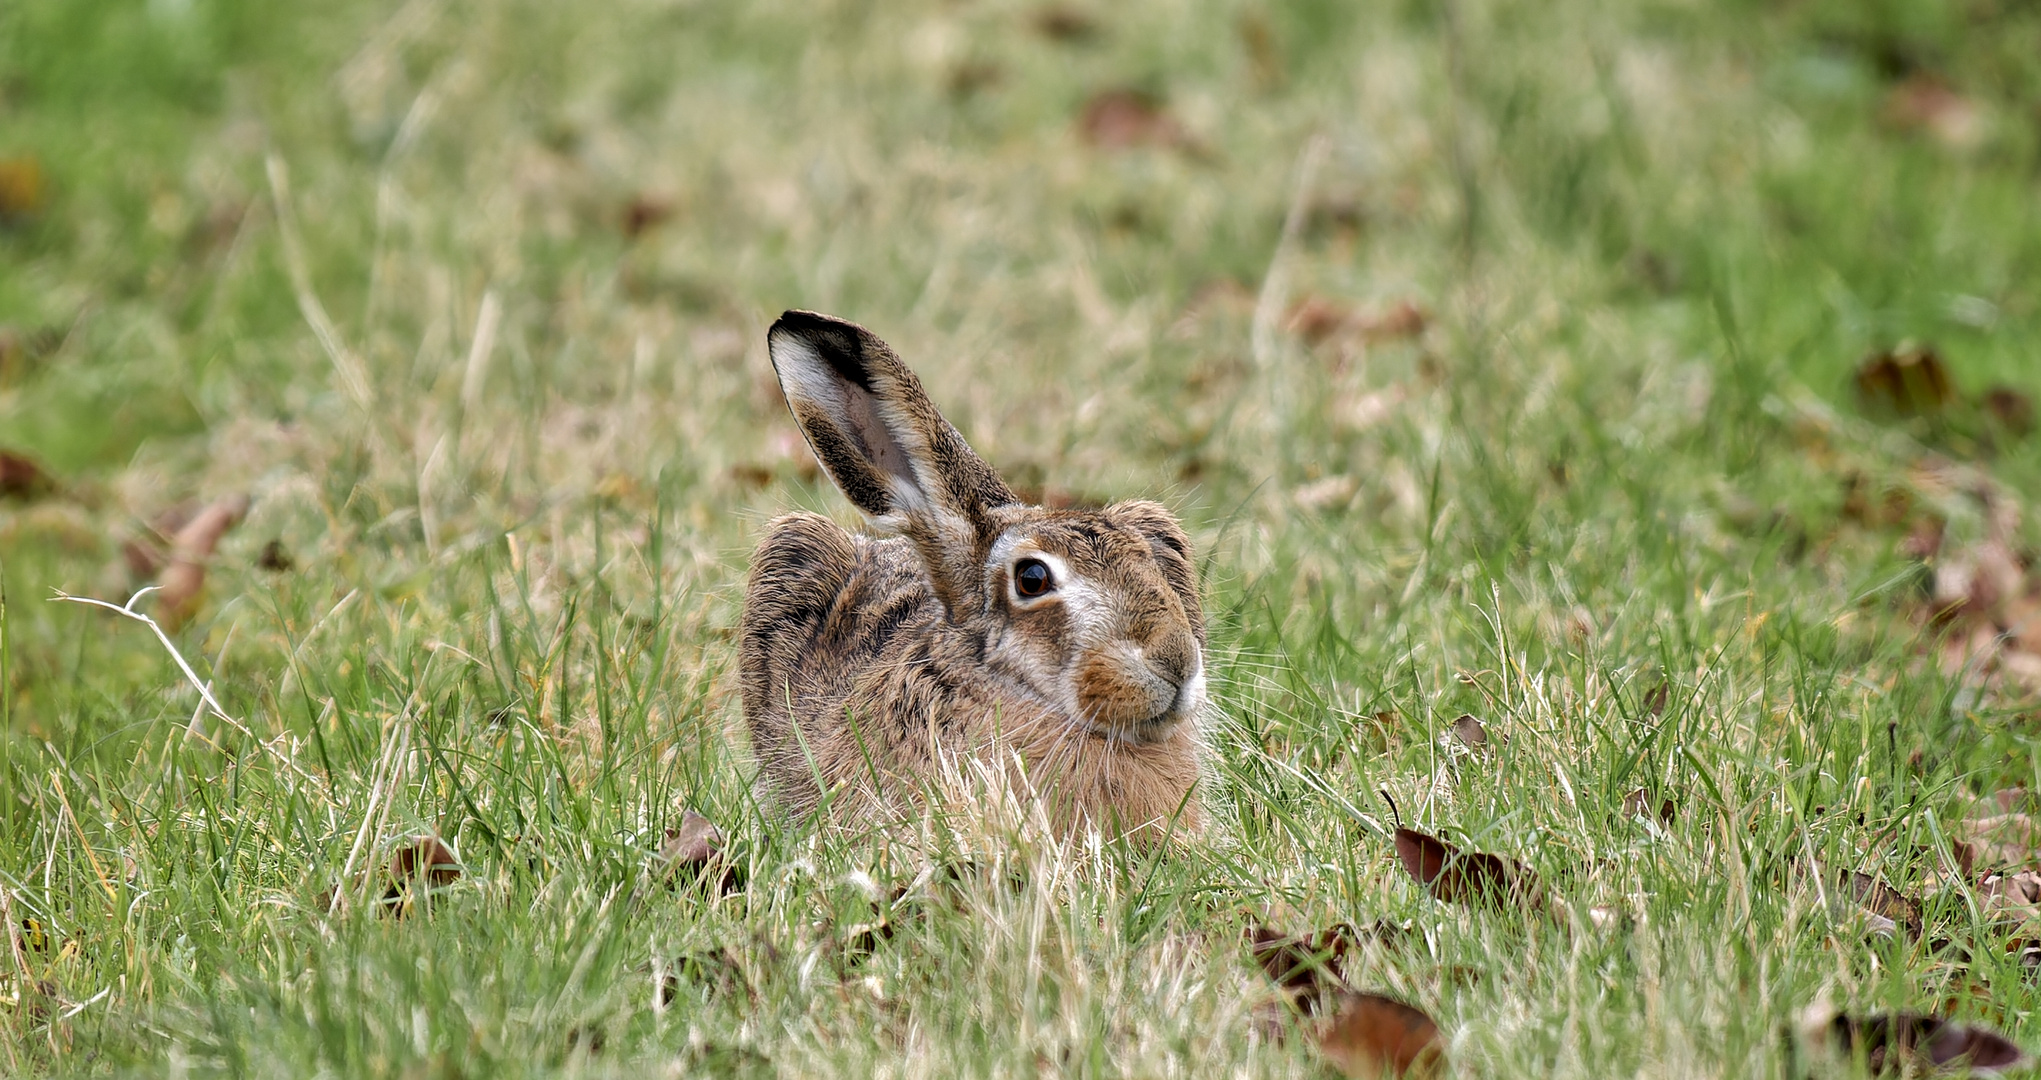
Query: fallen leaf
point(2012, 897)
point(691, 846)
point(1401, 319)
point(1908, 381)
point(1976, 583)
point(183, 580)
point(644, 212)
point(1372, 1036)
point(1469, 731)
point(969, 77)
point(1124, 118)
point(693, 854)
point(21, 188)
point(1926, 103)
point(275, 558)
point(1893, 1041)
point(1924, 539)
point(22, 478)
point(751, 476)
point(426, 857)
point(1318, 320)
point(1466, 877)
point(2002, 840)
point(2013, 410)
point(424, 864)
point(1876, 896)
point(1059, 22)
point(1636, 804)
point(1306, 967)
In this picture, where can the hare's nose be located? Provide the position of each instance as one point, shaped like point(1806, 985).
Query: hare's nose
point(1173, 657)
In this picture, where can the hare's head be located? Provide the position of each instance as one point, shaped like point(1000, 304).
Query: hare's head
point(1095, 612)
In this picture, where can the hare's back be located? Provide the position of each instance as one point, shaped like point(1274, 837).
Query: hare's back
point(823, 606)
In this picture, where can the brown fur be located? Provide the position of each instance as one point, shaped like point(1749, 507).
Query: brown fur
point(868, 661)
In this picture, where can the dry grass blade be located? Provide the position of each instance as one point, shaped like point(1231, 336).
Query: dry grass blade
point(1466, 877)
point(1374, 1036)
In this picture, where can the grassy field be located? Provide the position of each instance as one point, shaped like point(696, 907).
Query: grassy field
point(1501, 359)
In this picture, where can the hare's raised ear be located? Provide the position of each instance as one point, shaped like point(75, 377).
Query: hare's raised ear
point(874, 429)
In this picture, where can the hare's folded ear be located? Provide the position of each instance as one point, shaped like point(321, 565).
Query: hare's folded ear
point(874, 428)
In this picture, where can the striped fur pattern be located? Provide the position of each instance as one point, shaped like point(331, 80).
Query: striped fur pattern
point(1063, 646)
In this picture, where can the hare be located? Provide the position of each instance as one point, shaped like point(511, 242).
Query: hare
point(1067, 642)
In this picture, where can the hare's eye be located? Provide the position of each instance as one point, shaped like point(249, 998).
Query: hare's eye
point(1031, 578)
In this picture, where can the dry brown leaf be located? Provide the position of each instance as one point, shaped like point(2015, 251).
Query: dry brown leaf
point(1878, 897)
point(1926, 103)
point(1894, 1042)
point(2012, 409)
point(645, 212)
point(693, 854)
point(1466, 877)
point(1061, 22)
point(2014, 897)
point(1305, 966)
point(1317, 320)
point(426, 857)
point(1907, 381)
point(1977, 583)
point(21, 188)
point(423, 864)
point(2002, 840)
point(22, 478)
point(182, 582)
point(1123, 118)
point(1401, 319)
point(1469, 732)
point(275, 558)
point(1373, 1036)
point(1636, 803)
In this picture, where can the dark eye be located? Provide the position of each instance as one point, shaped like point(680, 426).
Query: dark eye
point(1031, 578)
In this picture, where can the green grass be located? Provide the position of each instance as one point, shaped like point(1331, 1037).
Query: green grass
point(1653, 241)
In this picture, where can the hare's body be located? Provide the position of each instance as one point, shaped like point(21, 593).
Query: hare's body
point(1062, 648)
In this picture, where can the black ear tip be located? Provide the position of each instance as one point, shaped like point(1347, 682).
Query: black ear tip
point(838, 341)
point(814, 323)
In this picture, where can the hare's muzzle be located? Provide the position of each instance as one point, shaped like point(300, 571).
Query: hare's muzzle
point(1141, 693)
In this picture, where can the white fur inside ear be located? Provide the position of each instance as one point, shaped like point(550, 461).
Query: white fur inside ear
point(880, 428)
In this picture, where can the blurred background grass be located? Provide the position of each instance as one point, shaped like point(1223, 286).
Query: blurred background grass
point(1502, 358)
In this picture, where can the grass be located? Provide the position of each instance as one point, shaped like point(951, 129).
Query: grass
point(1652, 242)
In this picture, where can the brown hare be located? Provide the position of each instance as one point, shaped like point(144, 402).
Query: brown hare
point(1063, 648)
